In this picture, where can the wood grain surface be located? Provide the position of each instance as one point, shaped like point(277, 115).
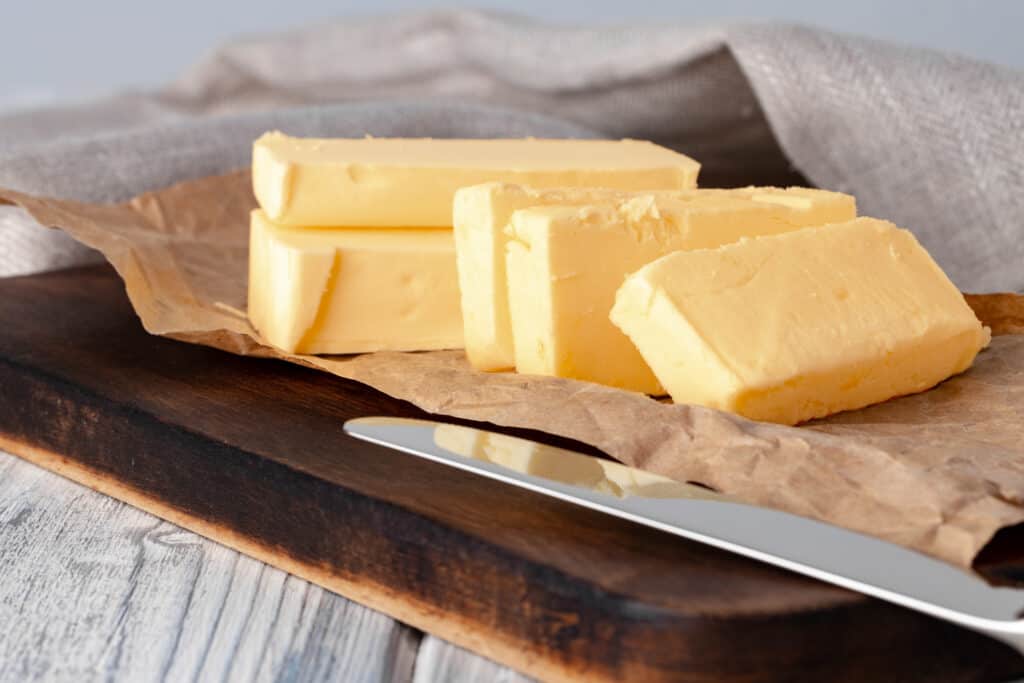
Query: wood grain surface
point(103, 591)
point(251, 453)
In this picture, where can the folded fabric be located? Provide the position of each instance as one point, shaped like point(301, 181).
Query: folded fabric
point(929, 140)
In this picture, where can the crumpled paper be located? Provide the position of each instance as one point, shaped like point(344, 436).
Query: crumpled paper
point(940, 471)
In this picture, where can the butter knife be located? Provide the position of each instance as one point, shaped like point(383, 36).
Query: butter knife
point(845, 558)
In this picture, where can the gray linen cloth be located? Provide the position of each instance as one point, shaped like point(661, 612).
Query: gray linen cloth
point(934, 142)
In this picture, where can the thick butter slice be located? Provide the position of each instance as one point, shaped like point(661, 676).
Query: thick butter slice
point(480, 215)
point(482, 212)
point(797, 326)
point(331, 290)
point(381, 182)
point(565, 264)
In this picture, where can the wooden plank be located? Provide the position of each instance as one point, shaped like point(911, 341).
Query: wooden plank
point(100, 590)
point(251, 453)
point(437, 660)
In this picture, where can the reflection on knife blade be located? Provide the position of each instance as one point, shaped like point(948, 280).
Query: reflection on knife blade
point(806, 546)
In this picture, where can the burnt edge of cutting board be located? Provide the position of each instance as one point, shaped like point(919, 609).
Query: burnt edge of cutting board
point(250, 453)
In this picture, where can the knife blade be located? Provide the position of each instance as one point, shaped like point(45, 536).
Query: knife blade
point(822, 551)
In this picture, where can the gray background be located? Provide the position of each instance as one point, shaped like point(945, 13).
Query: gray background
point(69, 49)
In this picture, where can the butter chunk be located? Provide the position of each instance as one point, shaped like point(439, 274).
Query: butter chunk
point(801, 325)
point(565, 263)
point(382, 182)
point(480, 214)
point(331, 290)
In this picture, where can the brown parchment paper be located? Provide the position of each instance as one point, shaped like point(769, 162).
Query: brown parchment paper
point(940, 471)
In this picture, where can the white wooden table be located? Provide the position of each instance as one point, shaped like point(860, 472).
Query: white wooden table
point(93, 589)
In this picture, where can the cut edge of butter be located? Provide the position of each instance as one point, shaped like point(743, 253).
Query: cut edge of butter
point(480, 219)
point(779, 371)
point(386, 182)
point(565, 262)
point(481, 215)
point(272, 178)
point(345, 290)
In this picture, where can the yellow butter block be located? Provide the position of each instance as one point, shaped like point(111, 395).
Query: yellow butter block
point(481, 215)
point(800, 325)
point(565, 263)
point(336, 290)
point(379, 182)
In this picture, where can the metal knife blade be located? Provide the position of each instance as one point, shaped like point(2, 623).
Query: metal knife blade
point(822, 551)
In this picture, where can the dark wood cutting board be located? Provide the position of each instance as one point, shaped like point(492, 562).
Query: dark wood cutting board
point(251, 453)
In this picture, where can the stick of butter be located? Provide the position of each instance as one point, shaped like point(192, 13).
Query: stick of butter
point(482, 212)
point(336, 290)
point(801, 325)
point(379, 182)
point(565, 263)
point(480, 215)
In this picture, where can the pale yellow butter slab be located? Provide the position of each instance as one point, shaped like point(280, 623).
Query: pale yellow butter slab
point(388, 182)
point(342, 290)
point(481, 216)
point(565, 263)
point(800, 325)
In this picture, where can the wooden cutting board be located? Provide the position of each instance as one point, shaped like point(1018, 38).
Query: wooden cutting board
point(251, 454)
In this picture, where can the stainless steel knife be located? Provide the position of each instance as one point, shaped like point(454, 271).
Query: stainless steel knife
point(829, 553)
